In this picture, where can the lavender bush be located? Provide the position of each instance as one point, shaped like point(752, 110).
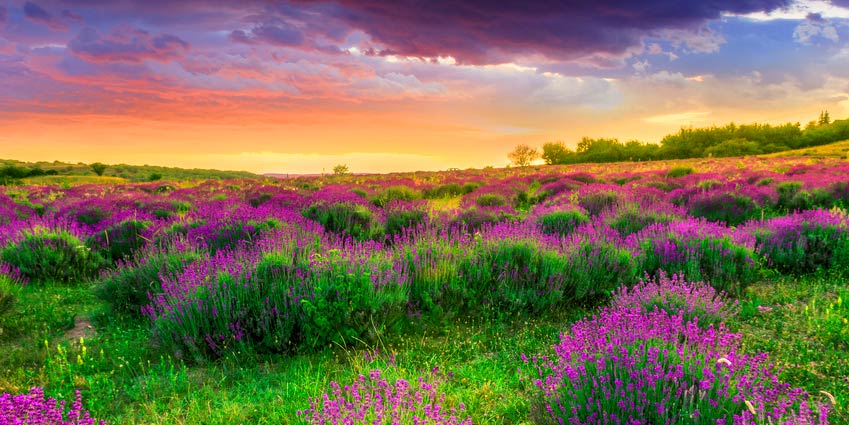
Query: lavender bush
point(374, 400)
point(34, 409)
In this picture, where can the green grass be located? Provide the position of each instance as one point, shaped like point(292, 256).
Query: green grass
point(125, 379)
point(798, 322)
point(71, 180)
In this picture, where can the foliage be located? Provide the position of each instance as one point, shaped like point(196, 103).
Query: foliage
point(45, 255)
point(129, 287)
point(34, 409)
point(561, 222)
point(523, 155)
point(341, 170)
point(98, 167)
point(373, 399)
point(344, 218)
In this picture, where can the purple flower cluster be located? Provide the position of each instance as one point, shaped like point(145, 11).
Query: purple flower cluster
point(34, 409)
point(374, 400)
point(631, 365)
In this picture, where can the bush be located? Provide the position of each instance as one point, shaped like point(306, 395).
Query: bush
point(33, 408)
point(490, 200)
point(121, 240)
point(282, 304)
point(561, 223)
point(396, 193)
point(129, 288)
point(345, 218)
point(679, 172)
point(45, 255)
point(598, 268)
point(597, 201)
point(655, 368)
point(674, 295)
point(233, 235)
point(633, 218)
point(351, 300)
point(475, 219)
point(727, 266)
point(723, 207)
point(399, 219)
point(803, 242)
point(376, 400)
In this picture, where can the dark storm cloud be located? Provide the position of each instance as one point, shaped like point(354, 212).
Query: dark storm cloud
point(36, 13)
point(275, 34)
point(126, 44)
point(480, 31)
point(472, 31)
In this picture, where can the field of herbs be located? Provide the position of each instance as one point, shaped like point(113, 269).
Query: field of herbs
point(709, 291)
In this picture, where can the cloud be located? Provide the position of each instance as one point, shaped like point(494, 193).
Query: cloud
point(280, 34)
point(481, 32)
point(3, 15)
point(815, 26)
point(127, 44)
point(36, 13)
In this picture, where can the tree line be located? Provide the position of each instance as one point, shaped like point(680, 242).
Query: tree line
point(689, 142)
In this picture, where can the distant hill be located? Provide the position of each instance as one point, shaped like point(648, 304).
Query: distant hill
point(831, 150)
point(45, 172)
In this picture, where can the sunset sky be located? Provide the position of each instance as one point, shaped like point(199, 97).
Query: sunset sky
point(300, 86)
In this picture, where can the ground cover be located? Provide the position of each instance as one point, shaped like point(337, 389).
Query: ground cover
point(251, 301)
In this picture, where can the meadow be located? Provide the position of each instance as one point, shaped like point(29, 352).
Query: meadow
point(687, 291)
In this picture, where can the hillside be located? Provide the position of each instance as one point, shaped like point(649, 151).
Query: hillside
point(831, 150)
point(57, 171)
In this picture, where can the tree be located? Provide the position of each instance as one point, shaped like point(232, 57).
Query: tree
point(554, 153)
point(341, 170)
point(98, 168)
point(824, 118)
point(523, 155)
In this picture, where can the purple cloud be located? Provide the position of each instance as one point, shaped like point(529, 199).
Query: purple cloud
point(36, 13)
point(2, 15)
point(482, 31)
point(278, 35)
point(127, 44)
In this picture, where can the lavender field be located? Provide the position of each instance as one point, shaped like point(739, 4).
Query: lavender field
point(701, 291)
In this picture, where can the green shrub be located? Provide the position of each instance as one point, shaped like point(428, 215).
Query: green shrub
point(398, 220)
point(119, 241)
point(726, 266)
point(231, 236)
point(347, 303)
point(344, 218)
point(596, 269)
point(729, 208)
point(126, 289)
point(475, 218)
point(396, 193)
point(596, 202)
point(53, 256)
point(679, 172)
point(448, 190)
point(490, 200)
point(561, 223)
point(634, 218)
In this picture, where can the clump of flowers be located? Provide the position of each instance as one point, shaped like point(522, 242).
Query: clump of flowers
point(637, 366)
point(675, 295)
point(374, 400)
point(34, 409)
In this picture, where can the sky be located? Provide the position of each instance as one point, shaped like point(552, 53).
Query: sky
point(403, 85)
